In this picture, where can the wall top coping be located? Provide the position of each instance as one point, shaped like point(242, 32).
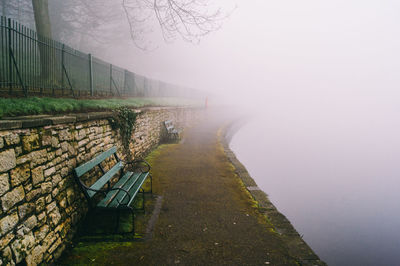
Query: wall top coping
point(30, 121)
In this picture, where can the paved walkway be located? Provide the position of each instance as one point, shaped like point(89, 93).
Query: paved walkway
point(207, 217)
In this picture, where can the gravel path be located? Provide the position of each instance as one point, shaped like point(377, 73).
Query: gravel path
point(206, 217)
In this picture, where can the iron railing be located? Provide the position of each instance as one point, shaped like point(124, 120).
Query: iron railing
point(34, 65)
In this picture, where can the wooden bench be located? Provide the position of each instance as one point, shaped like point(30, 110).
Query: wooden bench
point(117, 188)
point(172, 132)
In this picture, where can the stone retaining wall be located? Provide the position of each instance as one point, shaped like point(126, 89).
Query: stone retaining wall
point(40, 202)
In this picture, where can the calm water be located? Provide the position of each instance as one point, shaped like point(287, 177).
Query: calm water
point(337, 180)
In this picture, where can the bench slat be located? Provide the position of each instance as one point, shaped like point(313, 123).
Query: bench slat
point(124, 182)
point(105, 178)
point(84, 168)
point(133, 190)
point(122, 195)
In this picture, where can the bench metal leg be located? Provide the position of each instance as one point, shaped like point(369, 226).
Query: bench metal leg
point(133, 221)
point(142, 191)
point(117, 225)
point(151, 184)
point(132, 211)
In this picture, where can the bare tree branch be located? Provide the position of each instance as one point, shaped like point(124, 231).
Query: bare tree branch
point(189, 19)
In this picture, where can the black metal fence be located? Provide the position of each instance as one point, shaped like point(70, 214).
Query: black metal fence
point(34, 65)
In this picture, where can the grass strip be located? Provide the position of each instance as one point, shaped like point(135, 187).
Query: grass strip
point(10, 107)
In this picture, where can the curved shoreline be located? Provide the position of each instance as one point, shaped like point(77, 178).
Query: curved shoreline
point(297, 247)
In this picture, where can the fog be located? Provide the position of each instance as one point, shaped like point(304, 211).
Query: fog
point(322, 79)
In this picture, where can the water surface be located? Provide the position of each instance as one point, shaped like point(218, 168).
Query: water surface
point(337, 180)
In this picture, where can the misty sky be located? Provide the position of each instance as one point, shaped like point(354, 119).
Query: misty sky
point(324, 75)
point(307, 53)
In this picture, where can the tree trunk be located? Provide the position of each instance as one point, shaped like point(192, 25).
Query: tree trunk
point(43, 28)
point(3, 8)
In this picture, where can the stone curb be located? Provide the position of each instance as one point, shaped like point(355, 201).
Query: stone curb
point(47, 120)
point(297, 247)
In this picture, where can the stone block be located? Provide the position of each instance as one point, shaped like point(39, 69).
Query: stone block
point(1, 143)
point(70, 195)
point(7, 257)
point(54, 142)
point(49, 172)
point(46, 187)
point(28, 187)
point(30, 142)
point(4, 183)
point(37, 175)
point(42, 218)
point(40, 204)
point(22, 246)
point(46, 138)
point(59, 152)
point(20, 174)
point(47, 257)
point(8, 223)
point(80, 134)
point(51, 155)
point(33, 194)
point(71, 163)
point(65, 135)
point(54, 246)
point(71, 150)
point(31, 222)
point(51, 206)
point(62, 119)
point(83, 142)
point(23, 159)
point(63, 228)
point(48, 240)
point(12, 139)
point(38, 157)
point(55, 192)
point(18, 151)
point(64, 146)
point(35, 257)
point(55, 216)
point(41, 233)
point(25, 210)
point(48, 198)
point(21, 230)
point(13, 197)
point(56, 179)
point(63, 203)
point(5, 240)
point(58, 252)
point(7, 160)
point(64, 171)
point(35, 122)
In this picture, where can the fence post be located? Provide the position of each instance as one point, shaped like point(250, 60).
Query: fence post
point(124, 91)
point(62, 72)
point(91, 75)
point(9, 57)
point(111, 79)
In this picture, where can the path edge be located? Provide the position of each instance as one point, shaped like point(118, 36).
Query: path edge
point(297, 247)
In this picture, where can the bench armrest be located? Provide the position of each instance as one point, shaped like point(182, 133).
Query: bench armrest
point(139, 164)
point(123, 190)
point(105, 191)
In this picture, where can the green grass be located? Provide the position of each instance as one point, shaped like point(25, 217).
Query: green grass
point(36, 106)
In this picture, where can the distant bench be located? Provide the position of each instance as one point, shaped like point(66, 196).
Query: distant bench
point(172, 132)
point(123, 193)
